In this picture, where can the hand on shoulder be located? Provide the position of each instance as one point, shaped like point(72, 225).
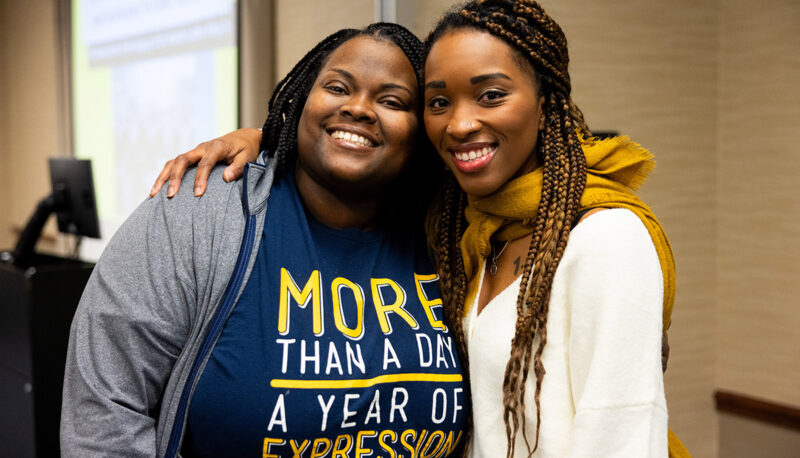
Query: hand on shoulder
point(235, 148)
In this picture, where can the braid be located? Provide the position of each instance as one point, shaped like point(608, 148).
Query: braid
point(279, 137)
point(406, 199)
point(448, 223)
point(538, 40)
point(445, 227)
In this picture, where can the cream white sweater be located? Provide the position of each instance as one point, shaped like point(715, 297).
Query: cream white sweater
point(603, 392)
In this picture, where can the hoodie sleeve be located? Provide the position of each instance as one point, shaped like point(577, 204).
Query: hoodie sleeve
point(162, 272)
point(129, 329)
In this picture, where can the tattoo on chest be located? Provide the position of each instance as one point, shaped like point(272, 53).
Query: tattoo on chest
point(517, 265)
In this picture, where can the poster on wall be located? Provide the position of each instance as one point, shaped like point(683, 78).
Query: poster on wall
point(150, 79)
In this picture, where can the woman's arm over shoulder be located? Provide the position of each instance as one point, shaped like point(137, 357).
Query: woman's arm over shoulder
point(615, 289)
point(235, 148)
point(132, 323)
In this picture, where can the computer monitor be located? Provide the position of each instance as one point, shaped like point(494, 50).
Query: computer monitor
point(77, 211)
point(72, 200)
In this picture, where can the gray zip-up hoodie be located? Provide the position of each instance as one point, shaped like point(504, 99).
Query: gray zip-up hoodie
point(152, 311)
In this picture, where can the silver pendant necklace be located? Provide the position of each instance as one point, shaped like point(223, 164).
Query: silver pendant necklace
point(495, 257)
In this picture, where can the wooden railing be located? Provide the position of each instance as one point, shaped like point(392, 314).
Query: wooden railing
point(758, 409)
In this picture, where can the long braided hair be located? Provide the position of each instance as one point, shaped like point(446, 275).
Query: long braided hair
point(537, 39)
point(410, 195)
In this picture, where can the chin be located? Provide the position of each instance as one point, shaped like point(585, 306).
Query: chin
point(477, 187)
point(353, 180)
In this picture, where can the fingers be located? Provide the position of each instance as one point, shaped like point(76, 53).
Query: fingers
point(236, 169)
point(162, 178)
point(179, 166)
point(215, 151)
point(235, 148)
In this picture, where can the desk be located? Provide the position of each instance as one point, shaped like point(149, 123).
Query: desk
point(36, 308)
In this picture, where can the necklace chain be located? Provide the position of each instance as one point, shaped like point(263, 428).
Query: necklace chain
point(495, 257)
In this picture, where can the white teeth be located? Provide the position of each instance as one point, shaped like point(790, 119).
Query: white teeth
point(472, 155)
point(352, 137)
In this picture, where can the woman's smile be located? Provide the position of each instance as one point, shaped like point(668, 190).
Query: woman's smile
point(483, 110)
point(472, 157)
point(353, 138)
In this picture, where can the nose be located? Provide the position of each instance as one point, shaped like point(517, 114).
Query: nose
point(359, 108)
point(462, 123)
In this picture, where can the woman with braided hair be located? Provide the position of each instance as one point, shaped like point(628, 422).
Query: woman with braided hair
point(288, 314)
point(543, 251)
point(557, 280)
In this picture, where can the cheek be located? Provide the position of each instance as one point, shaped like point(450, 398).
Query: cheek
point(304, 136)
point(403, 129)
point(522, 125)
point(434, 127)
point(318, 105)
point(309, 132)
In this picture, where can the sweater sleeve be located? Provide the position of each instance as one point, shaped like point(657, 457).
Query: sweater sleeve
point(615, 290)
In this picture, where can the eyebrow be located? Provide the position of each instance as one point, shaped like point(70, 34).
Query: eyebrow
point(395, 86)
point(474, 80)
point(488, 76)
point(383, 87)
point(343, 72)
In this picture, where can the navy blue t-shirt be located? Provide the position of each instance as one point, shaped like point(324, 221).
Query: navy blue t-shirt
point(335, 349)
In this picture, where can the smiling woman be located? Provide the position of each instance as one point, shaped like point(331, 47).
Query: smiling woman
point(478, 104)
point(564, 279)
point(356, 132)
point(206, 329)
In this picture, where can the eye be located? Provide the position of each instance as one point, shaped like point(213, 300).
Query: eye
point(394, 103)
point(492, 95)
point(336, 88)
point(438, 102)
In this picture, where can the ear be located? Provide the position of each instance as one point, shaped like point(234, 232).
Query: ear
point(541, 112)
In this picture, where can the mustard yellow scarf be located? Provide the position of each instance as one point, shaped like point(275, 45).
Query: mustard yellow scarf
point(615, 168)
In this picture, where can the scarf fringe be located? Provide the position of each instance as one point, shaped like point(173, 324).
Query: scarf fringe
point(641, 161)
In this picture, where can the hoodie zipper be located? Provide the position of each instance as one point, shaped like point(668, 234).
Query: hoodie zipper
point(217, 323)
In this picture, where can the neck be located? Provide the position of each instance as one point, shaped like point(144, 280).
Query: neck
point(334, 208)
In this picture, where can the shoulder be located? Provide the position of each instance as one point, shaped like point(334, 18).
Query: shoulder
point(610, 269)
point(180, 224)
point(221, 201)
point(613, 233)
point(611, 249)
point(217, 193)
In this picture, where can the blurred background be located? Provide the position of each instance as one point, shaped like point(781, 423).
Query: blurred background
point(710, 87)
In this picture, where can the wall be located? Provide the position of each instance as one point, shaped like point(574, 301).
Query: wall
point(301, 24)
point(744, 438)
point(6, 237)
point(29, 113)
point(757, 200)
point(256, 60)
